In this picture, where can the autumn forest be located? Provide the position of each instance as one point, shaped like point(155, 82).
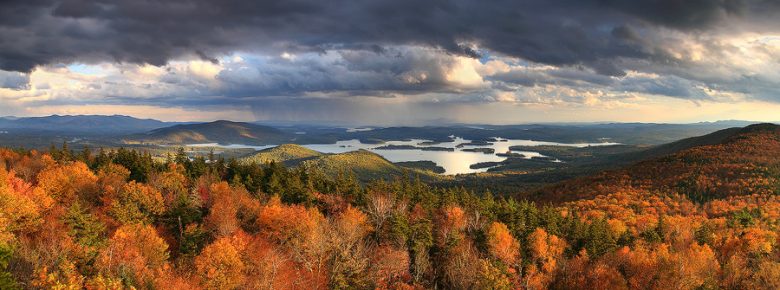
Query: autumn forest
point(701, 218)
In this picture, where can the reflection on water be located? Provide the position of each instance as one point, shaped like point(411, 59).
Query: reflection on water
point(455, 162)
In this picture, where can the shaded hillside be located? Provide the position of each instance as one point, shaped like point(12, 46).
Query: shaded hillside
point(684, 144)
point(290, 154)
point(745, 161)
point(222, 132)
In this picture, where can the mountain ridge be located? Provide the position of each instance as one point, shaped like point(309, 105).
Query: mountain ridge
point(220, 131)
point(702, 172)
point(119, 124)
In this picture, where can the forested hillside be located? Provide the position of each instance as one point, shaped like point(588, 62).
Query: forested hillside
point(746, 161)
point(289, 154)
point(702, 218)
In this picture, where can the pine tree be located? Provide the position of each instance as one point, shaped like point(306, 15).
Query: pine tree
point(7, 280)
point(236, 181)
point(705, 234)
point(600, 239)
point(86, 156)
point(54, 152)
point(181, 157)
point(65, 154)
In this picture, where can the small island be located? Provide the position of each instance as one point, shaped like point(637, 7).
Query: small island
point(482, 165)
point(371, 141)
point(510, 154)
point(423, 165)
point(483, 150)
point(447, 149)
point(429, 143)
point(475, 143)
point(397, 147)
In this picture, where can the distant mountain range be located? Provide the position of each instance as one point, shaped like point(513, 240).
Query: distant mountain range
point(119, 129)
point(116, 124)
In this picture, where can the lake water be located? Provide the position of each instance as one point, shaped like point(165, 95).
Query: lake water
point(455, 162)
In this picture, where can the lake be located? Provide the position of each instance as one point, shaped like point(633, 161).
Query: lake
point(453, 162)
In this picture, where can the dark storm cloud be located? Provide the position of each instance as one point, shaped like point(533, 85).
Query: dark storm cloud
point(683, 14)
point(593, 33)
point(665, 86)
point(571, 77)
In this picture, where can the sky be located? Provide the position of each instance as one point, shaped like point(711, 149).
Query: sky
point(399, 62)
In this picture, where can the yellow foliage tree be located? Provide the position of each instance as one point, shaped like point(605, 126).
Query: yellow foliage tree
point(136, 252)
point(66, 182)
point(220, 265)
point(502, 245)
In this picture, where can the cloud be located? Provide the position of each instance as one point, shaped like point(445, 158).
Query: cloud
point(406, 70)
point(275, 57)
point(14, 80)
point(155, 32)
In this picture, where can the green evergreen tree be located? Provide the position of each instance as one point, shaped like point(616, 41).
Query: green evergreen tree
point(600, 239)
point(86, 156)
point(705, 234)
point(88, 231)
point(65, 154)
point(54, 152)
point(7, 280)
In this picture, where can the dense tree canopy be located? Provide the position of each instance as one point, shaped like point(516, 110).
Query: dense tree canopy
point(118, 219)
